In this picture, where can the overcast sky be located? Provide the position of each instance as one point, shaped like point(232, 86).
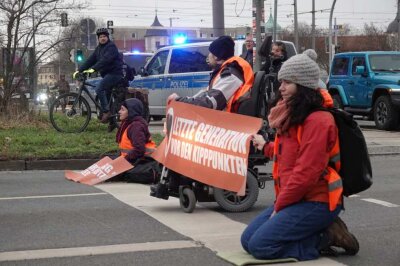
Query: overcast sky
point(198, 13)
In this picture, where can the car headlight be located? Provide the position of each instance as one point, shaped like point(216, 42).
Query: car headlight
point(42, 97)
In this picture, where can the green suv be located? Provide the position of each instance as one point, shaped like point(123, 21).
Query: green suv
point(368, 84)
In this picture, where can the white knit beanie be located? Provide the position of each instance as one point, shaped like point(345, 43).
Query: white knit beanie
point(301, 69)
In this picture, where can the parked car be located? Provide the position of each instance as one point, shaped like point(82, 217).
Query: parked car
point(367, 83)
point(181, 69)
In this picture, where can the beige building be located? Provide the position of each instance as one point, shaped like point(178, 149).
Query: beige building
point(47, 75)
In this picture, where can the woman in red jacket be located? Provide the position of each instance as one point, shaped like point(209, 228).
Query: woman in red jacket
point(303, 222)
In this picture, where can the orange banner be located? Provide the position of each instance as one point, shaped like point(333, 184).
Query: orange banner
point(100, 171)
point(207, 145)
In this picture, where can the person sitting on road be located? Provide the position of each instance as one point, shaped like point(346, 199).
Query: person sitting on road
point(232, 77)
point(106, 60)
point(303, 222)
point(135, 143)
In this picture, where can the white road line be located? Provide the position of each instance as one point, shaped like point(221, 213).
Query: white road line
point(216, 231)
point(55, 196)
point(381, 202)
point(95, 250)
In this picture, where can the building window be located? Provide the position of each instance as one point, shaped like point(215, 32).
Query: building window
point(212, 34)
point(134, 35)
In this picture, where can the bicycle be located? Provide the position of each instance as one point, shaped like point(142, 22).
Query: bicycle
point(71, 112)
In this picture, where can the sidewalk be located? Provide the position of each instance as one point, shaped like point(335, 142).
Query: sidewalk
point(380, 143)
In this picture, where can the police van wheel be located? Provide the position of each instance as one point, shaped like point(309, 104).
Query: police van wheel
point(231, 202)
point(187, 200)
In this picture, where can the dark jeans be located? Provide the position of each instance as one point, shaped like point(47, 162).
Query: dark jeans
point(294, 232)
point(103, 90)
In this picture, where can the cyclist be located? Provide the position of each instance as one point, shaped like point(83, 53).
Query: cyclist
point(106, 60)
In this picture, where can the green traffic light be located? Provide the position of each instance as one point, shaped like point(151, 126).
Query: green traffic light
point(79, 58)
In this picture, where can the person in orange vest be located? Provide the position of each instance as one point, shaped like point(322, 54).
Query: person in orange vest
point(232, 77)
point(135, 143)
point(303, 222)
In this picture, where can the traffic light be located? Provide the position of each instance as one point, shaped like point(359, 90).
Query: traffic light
point(79, 56)
point(64, 19)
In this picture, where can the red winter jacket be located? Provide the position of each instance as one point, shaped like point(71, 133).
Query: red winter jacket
point(301, 165)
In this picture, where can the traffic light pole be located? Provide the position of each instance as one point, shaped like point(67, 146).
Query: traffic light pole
point(330, 33)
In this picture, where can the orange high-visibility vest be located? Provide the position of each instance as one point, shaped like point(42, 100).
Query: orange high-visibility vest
point(330, 174)
point(248, 76)
point(126, 145)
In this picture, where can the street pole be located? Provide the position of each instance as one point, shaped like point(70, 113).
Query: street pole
point(88, 34)
point(34, 81)
point(313, 26)
point(218, 17)
point(335, 32)
point(258, 4)
point(330, 33)
point(296, 32)
point(398, 25)
point(275, 20)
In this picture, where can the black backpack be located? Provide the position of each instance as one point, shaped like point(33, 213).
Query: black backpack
point(355, 170)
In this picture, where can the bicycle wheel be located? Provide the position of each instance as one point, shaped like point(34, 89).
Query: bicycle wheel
point(70, 113)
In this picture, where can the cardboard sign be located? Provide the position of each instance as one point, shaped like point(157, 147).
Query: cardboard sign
point(207, 145)
point(99, 171)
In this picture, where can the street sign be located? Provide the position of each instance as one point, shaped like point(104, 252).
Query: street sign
point(87, 25)
point(92, 40)
point(72, 55)
point(110, 23)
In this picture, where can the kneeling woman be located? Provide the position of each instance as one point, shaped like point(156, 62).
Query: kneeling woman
point(134, 140)
point(303, 222)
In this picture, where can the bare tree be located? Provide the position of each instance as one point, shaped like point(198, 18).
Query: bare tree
point(29, 29)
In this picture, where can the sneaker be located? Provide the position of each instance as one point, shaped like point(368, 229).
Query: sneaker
point(105, 117)
point(340, 237)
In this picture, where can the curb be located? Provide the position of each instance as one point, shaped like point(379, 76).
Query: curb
point(67, 164)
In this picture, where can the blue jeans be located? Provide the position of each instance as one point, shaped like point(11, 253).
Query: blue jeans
point(103, 90)
point(294, 232)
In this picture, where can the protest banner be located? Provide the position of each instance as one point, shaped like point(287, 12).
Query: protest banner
point(207, 145)
point(100, 171)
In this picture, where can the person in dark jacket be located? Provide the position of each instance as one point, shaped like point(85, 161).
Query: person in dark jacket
point(272, 66)
point(248, 54)
point(134, 140)
point(133, 136)
point(106, 60)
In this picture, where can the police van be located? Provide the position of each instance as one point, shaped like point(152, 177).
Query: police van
point(180, 69)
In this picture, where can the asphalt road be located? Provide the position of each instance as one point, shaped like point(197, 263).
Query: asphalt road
point(47, 220)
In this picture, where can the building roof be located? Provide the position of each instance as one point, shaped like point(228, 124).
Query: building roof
point(269, 25)
point(158, 31)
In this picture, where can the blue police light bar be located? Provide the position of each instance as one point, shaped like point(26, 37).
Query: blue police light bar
point(135, 51)
point(180, 39)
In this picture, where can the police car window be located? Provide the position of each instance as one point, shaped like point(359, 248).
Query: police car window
point(192, 59)
point(357, 61)
point(340, 66)
point(157, 64)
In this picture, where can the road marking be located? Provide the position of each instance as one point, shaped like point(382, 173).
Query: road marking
point(95, 250)
point(216, 231)
point(381, 202)
point(55, 196)
point(354, 196)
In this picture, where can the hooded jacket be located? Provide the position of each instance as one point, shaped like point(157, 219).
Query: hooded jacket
point(133, 136)
point(105, 59)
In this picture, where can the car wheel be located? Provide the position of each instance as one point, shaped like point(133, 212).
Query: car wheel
point(337, 101)
point(386, 115)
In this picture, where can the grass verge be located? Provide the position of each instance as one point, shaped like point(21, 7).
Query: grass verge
point(32, 137)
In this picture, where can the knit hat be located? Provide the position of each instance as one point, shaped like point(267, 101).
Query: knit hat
point(301, 69)
point(223, 47)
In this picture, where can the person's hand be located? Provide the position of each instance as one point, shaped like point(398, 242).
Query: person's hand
point(89, 71)
point(172, 97)
point(258, 141)
point(74, 76)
